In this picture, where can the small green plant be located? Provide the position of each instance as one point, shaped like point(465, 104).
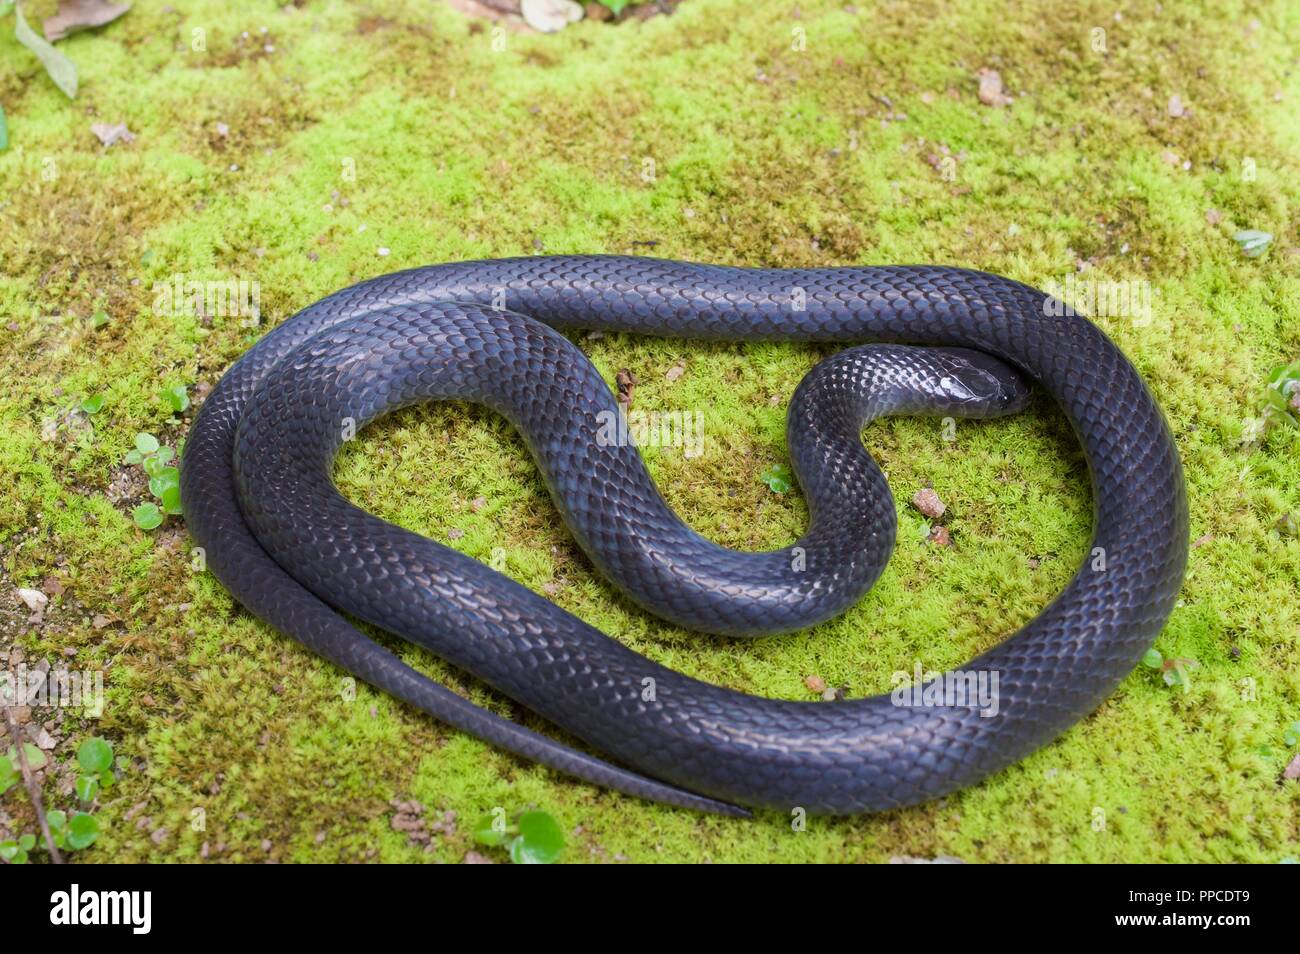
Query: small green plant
point(95, 756)
point(1175, 671)
point(35, 757)
point(535, 838)
point(93, 404)
point(9, 775)
point(616, 6)
point(176, 397)
point(15, 850)
point(75, 833)
point(1279, 393)
point(99, 319)
point(164, 481)
point(778, 478)
point(1292, 735)
point(95, 759)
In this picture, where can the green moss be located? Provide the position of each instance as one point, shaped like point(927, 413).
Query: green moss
point(707, 135)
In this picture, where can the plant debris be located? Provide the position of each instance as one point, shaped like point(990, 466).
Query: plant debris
point(990, 88)
point(76, 15)
point(110, 134)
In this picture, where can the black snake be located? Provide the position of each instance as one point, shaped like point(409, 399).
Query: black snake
point(258, 494)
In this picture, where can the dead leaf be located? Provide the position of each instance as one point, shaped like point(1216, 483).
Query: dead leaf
point(503, 11)
point(626, 382)
point(550, 16)
point(990, 91)
point(675, 372)
point(75, 15)
point(111, 134)
point(35, 599)
point(1293, 770)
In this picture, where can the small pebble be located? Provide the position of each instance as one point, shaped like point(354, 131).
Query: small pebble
point(928, 502)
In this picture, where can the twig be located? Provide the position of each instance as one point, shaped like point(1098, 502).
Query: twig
point(29, 781)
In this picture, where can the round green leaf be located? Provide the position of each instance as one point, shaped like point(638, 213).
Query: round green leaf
point(35, 757)
point(94, 755)
point(87, 788)
point(777, 479)
point(146, 443)
point(490, 830)
point(171, 500)
point(166, 478)
point(12, 852)
point(540, 840)
point(83, 829)
point(1152, 658)
point(93, 404)
point(57, 820)
point(177, 397)
point(27, 842)
point(147, 516)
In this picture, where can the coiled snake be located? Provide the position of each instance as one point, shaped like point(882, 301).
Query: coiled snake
point(256, 482)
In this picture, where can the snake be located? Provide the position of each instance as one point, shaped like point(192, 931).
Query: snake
point(261, 503)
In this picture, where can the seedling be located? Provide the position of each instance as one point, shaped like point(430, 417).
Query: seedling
point(176, 397)
point(1175, 671)
point(535, 838)
point(75, 833)
point(1291, 736)
point(9, 774)
point(778, 478)
point(95, 756)
point(14, 850)
point(1279, 393)
point(164, 481)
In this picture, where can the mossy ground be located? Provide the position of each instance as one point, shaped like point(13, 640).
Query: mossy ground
point(762, 155)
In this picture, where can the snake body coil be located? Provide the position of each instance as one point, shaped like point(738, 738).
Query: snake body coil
point(260, 500)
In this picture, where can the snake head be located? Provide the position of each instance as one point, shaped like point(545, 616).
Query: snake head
point(976, 384)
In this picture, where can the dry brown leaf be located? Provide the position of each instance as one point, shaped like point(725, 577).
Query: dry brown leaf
point(110, 133)
point(990, 91)
point(75, 15)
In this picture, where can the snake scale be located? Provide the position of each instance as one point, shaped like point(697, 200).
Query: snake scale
point(259, 498)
